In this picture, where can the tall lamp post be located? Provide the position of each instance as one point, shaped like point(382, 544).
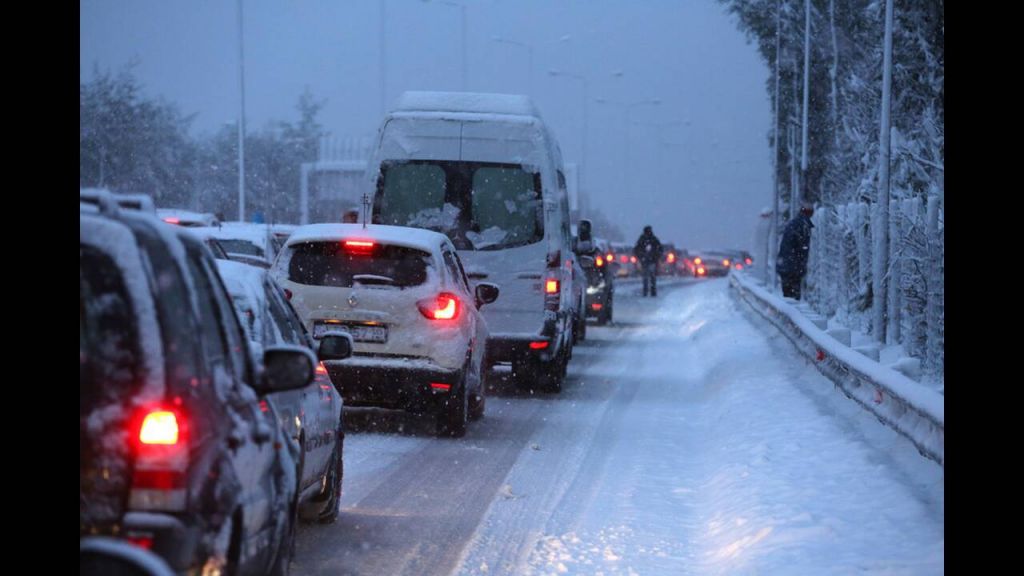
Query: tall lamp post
point(241, 118)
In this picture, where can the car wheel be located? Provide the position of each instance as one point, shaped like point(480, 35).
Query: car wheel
point(332, 492)
point(451, 419)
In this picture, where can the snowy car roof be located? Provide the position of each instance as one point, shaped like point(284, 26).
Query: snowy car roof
point(426, 240)
point(255, 233)
point(186, 216)
point(472, 102)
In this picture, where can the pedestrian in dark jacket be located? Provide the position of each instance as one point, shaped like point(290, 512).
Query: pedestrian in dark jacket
point(648, 251)
point(791, 265)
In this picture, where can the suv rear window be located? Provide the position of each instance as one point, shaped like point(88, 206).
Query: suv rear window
point(232, 246)
point(478, 205)
point(331, 264)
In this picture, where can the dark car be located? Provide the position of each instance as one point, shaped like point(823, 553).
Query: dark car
point(178, 452)
point(312, 416)
point(707, 264)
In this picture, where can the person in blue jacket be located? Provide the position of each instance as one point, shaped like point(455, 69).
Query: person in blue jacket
point(791, 265)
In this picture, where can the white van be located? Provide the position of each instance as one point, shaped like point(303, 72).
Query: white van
point(486, 171)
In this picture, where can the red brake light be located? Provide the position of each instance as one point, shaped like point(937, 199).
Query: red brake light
point(725, 262)
point(172, 220)
point(440, 386)
point(700, 271)
point(697, 260)
point(539, 345)
point(551, 286)
point(358, 246)
point(632, 259)
point(599, 262)
point(749, 261)
point(671, 257)
point(596, 306)
point(623, 258)
point(739, 266)
point(444, 307)
point(159, 427)
point(610, 257)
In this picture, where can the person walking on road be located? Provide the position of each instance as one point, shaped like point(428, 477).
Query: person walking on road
point(791, 264)
point(648, 252)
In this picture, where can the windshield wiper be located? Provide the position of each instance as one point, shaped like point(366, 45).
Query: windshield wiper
point(373, 279)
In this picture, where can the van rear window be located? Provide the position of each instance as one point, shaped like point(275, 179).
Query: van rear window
point(332, 264)
point(478, 205)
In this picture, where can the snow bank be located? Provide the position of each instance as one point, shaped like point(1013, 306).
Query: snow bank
point(911, 409)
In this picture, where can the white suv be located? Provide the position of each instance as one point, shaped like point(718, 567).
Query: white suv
point(404, 297)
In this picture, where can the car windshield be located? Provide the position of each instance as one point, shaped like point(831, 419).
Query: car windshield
point(478, 205)
point(332, 264)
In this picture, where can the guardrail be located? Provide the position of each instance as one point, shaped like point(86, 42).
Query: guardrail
point(900, 403)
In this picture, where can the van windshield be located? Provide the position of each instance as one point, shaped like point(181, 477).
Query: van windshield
point(478, 205)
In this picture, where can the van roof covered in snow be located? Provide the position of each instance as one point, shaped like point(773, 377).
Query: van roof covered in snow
point(466, 102)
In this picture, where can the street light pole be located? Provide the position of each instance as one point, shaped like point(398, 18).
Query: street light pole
point(383, 59)
point(241, 118)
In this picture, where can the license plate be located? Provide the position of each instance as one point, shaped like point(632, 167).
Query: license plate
point(359, 332)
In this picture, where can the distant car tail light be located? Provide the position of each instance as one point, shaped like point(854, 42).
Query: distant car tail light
point(725, 262)
point(599, 262)
point(142, 541)
point(671, 258)
point(749, 261)
point(739, 266)
point(161, 460)
point(551, 286)
point(623, 258)
point(632, 259)
point(172, 220)
point(440, 387)
point(539, 345)
point(597, 306)
point(697, 260)
point(443, 307)
point(700, 271)
point(610, 257)
point(321, 376)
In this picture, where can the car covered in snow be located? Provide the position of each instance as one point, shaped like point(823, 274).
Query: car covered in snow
point(243, 241)
point(708, 263)
point(176, 451)
point(187, 218)
point(485, 170)
point(312, 416)
point(403, 296)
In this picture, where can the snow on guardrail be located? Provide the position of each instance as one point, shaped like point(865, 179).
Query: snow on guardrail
point(902, 404)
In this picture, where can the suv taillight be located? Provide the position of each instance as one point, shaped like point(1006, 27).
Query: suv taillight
point(161, 460)
point(445, 306)
point(552, 292)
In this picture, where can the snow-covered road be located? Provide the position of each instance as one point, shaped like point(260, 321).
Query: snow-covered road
point(689, 439)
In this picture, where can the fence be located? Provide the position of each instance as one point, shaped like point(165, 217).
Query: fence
point(839, 275)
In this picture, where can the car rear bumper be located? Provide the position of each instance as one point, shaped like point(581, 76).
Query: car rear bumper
point(602, 299)
point(172, 539)
point(399, 383)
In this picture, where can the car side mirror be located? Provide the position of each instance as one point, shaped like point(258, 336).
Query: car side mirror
point(335, 346)
point(486, 293)
point(286, 367)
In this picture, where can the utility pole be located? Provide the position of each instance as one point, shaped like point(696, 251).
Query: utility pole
point(241, 118)
point(879, 283)
point(807, 83)
point(773, 233)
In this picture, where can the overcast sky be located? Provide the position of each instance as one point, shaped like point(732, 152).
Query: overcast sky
point(696, 166)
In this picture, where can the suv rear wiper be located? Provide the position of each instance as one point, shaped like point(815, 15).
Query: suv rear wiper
point(373, 279)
